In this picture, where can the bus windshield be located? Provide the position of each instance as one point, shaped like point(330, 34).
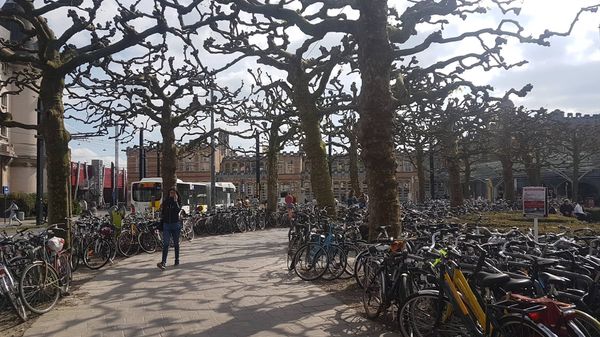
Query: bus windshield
point(146, 192)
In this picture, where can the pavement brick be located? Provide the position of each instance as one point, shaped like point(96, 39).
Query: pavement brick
point(226, 286)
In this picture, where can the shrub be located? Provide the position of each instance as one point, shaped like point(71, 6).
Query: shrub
point(25, 202)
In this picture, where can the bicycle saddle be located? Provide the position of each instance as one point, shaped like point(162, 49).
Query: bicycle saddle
point(491, 280)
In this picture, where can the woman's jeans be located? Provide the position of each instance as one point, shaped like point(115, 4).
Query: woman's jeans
point(170, 230)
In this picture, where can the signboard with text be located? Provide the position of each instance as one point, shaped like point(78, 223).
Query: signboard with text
point(535, 202)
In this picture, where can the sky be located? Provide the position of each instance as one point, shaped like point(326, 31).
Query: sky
point(565, 75)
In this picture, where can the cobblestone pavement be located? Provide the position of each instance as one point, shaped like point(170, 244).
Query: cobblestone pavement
point(233, 285)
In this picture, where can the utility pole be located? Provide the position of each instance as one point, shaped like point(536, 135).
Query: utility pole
point(40, 164)
point(213, 176)
point(258, 164)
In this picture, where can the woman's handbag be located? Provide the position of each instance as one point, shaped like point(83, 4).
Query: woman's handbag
point(161, 225)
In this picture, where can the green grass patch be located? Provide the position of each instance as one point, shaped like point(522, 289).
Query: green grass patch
point(505, 220)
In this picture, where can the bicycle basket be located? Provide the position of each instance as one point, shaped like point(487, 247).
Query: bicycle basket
point(56, 244)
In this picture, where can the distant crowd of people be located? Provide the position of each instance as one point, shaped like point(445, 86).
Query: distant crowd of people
point(572, 210)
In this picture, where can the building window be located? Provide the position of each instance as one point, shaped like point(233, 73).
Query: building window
point(289, 167)
point(4, 131)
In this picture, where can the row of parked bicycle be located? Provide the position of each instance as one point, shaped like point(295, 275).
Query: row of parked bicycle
point(458, 280)
point(36, 269)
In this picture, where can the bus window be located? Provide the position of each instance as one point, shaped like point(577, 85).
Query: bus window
point(200, 194)
point(184, 192)
point(146, 192)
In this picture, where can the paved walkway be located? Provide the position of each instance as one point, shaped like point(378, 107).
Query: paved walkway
point(230, 286)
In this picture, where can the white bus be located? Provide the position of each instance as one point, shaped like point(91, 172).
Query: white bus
point(147, 194)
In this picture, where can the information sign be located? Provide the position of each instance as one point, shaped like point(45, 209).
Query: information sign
point(535, 202)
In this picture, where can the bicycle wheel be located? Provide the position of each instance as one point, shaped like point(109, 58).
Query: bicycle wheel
point(516, 326)
point(75, 255)
point(147, 242)
point(127, 244)
point(293, 247)
point(352, 252)
point(337, 263)
point(97, 253)
point(39, 287)
point(310, 262)
point(188, 232)
point(17, 304)
point(65, 274)
point(374, 294)
point(359, 268)
point(261, 222)
point(8, 288)
point(423, 315)
point(585, 323)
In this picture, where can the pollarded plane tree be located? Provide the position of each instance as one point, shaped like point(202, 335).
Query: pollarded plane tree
point(537, 143)
point(383, 34)
point(158, 90)
point(579, 151)
point(269, 111)
point(306, 68)
point(429, 114)
point(503, 129)
point(50, 49)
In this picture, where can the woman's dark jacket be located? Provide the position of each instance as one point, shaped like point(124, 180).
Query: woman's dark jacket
point(170, 211)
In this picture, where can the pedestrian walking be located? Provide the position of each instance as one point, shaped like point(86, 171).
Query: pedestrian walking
point(13, 208)
point(170, 210)
point(289, 205)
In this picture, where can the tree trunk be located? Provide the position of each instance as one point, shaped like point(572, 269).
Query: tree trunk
point(353, 161)
point(272, 173)
point(509, 182)
point(168, 164)
point(467, 179)
point(453, 167)
point(419, 159)
point(576, 165)
point(376, 109)
point(320, 180)
point(532, 170)
point(58, 162)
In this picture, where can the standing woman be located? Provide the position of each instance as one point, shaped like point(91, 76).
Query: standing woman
point(170, 210)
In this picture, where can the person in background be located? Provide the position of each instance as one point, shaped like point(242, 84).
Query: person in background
point(579, 213)
point(13, 208)
point(566, 208)
point(170, 210)
point(362, 201)
point(351, 200)
point(289, 205)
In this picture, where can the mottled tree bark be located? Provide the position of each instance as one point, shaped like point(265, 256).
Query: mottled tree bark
point(58, 162)
point(420, 165)
point(450, 147)
point(376, 109)
point(314, 147)
point(168, 164)
point(466, 185)
point(509, 181)
point(320, 181)
point(272, 173)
